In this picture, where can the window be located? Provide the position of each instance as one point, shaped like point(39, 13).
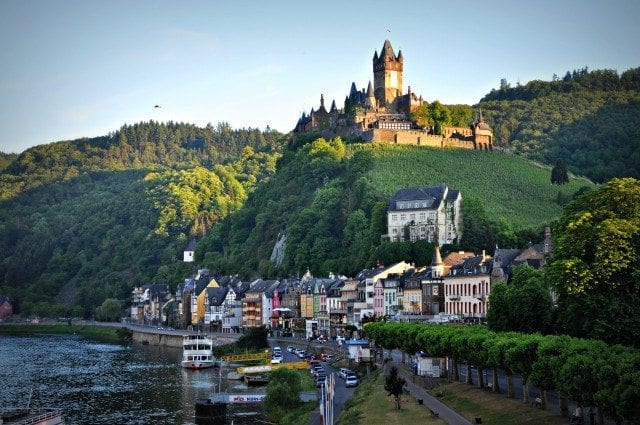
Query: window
point(395, 231)
point(412, 217)
point(422, 216)
point(403, 217)
point(394, 217)
point(415, 205)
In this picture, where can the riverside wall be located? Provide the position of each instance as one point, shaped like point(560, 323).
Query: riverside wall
point(172, 340)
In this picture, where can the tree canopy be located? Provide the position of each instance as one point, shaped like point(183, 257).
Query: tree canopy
point(596, 263)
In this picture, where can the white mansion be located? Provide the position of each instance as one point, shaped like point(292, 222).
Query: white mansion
point(430, 213)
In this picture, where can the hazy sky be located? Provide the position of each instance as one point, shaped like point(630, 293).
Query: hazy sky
point(71, 69)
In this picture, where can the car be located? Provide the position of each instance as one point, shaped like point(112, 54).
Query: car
point(343, 372)
point(276, 359)
point(351, 381)
point(290, 349)
point(302, 354)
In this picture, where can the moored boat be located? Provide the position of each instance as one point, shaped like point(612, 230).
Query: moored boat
point(31, 416)
point(256, 380)
point(197, 352)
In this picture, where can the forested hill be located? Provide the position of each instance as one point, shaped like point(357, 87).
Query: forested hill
point(588, 119)
point(86, 220)
point(144, 145)
point(330, 201)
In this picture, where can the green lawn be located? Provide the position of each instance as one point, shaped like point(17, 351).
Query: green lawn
point(371, 405)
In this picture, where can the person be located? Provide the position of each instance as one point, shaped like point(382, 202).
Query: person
point(538, 402)
point(577, 415)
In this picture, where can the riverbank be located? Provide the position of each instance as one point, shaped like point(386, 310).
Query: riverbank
point(106, 334)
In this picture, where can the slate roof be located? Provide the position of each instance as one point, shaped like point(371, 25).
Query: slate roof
point(216, 296)
point(433, 195)
point(472, 266)
point(191, 246)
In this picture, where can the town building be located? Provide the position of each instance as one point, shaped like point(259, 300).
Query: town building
point(425, 213)
point(467, 287)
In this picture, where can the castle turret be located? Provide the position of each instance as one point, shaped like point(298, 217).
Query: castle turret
point(482, 134)
point(322, 108)
point(387, 74)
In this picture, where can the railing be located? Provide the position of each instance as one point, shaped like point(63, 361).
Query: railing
point(246, 357)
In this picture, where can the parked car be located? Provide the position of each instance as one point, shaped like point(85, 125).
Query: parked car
point(351, 381)
point(290, 349)
point(343, 372)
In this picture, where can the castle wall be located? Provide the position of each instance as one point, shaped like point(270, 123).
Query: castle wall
point(414, 137)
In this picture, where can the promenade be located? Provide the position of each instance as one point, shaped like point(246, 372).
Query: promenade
point(431, 403)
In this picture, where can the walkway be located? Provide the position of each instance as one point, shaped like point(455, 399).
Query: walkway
point(433, 404)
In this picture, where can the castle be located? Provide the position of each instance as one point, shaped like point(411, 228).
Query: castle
point(382, 113)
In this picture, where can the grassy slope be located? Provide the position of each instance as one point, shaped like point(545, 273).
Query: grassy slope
point(508, 186)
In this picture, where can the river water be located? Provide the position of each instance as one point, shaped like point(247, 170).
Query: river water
point(98, 383)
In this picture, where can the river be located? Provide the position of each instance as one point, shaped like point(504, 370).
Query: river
point(98, 383)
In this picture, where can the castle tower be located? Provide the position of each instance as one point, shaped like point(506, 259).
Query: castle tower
point(387, 74)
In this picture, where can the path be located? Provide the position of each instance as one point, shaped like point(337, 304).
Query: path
point(418, 392)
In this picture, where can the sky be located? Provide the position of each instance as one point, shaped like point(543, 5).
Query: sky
point(83, 68)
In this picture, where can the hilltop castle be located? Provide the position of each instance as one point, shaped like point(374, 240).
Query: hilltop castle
point(382, 113)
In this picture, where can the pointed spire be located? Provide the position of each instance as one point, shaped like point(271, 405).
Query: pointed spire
point(370, 89)
point(400, 58)
point(387, 51)
point(353, 91)
point(375, 56)
point(333, 106)
point(437, 266)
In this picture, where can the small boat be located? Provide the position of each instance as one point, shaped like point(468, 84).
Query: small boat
point(197, 352)
point(256, 380)
point(30, 416)
point(22, 416)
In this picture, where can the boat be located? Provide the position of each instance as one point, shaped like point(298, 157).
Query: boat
point(256, 380)
point(22, 416)
point(197, 352)
point(30, 415)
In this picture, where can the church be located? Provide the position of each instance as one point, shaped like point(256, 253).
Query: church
point(382, 113)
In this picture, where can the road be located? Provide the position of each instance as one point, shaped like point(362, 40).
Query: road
point(342, 393)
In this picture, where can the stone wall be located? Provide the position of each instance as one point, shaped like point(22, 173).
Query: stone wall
point(414, 137)
point(171, 340)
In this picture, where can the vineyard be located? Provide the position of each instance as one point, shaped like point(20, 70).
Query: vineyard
point(508, 186)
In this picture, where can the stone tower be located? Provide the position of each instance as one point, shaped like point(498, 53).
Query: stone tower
point(387, 75)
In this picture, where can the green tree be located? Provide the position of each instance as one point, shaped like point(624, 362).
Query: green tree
point(394, 384)
point(440, 115)
point(559, 173)
point(283, 393)
point(596, 261)
point(523, 305)
point(109, 311)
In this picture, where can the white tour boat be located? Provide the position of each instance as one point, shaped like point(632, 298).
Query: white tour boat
point(197, 352)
